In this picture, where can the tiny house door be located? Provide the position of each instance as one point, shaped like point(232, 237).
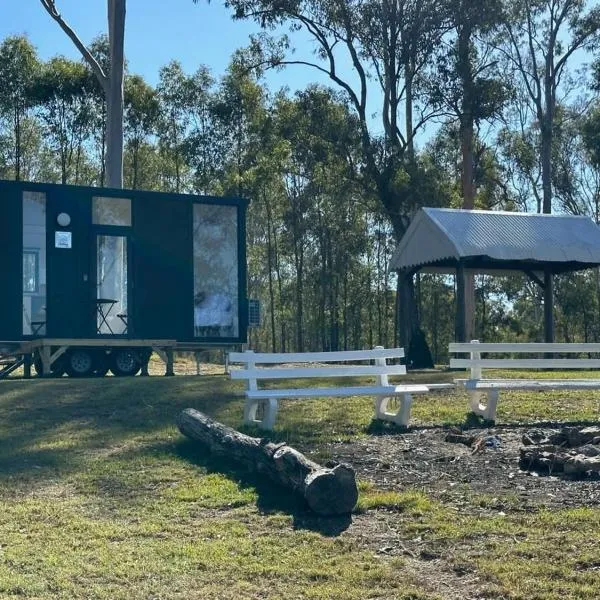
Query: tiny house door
point(112, 289)
point(111, 273)
point(67, 307)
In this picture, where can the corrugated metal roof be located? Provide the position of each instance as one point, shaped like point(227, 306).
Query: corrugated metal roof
point(444, 235)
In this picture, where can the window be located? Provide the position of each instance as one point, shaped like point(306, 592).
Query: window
point(215, 271)
point(31, 271)
point(111, 211)
point(34, 263)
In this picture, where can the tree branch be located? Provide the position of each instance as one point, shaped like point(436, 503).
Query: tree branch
point(50, 7)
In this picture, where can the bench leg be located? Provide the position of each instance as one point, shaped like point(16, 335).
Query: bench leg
point(269, 407)
point(401, 416)
point(487, 411)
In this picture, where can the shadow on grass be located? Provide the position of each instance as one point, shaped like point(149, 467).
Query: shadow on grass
point(272, 497)
point(48, 425)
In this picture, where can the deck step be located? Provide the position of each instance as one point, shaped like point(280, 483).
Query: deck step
point(10, 367)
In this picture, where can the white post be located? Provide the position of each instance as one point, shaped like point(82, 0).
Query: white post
point(475, 370)
point(382, 380)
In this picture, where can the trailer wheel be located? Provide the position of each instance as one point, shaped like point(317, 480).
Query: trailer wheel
point(80, 362)
point(125, 362)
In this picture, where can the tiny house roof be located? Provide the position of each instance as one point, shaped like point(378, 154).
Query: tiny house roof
point(438, 239)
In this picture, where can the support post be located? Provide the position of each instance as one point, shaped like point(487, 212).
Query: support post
point(469, 292)
point(548, 306)
point(27, 365)
point(169, 372)
point(461, 321)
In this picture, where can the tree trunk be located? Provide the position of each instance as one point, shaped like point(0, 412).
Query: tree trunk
point(546, 166)
point(328, 491)
point(114, 96)
point(467, 155)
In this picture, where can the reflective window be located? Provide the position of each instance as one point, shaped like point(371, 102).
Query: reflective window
point(111, 211)
point(31, 269)
point(215, 271)
point(34, 263)
point(111, 284)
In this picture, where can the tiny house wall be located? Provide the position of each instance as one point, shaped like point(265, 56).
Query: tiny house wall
point(82, 262)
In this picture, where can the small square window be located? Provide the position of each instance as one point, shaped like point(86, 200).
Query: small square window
point(111, 211)
point(31, 271)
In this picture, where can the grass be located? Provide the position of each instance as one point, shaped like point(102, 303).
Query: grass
point(101, 497)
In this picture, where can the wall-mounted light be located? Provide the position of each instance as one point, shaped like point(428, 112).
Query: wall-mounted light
point(63, 219)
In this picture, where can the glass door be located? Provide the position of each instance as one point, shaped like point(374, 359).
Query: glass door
point(112, 285)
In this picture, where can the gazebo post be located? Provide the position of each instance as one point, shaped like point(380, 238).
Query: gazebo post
point(461, 307)
point(406, 311)
point(548, 305)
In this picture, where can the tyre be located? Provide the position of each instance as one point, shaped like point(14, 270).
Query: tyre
point(125, 362)
point(80, 362)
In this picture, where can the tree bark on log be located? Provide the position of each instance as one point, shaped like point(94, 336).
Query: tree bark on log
point(328, 491)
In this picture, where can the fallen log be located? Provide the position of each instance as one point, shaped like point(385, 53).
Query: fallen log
point(328, 491)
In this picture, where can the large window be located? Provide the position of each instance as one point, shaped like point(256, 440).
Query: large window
point(34, 263)
point(215, 271)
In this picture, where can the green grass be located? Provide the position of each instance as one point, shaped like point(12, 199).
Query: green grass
point(101, 497)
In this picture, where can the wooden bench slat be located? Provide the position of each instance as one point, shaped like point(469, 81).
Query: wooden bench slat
point(525, 363)
point(464, 347)
point(302, 372)
point(303, 357)
point(337, 392)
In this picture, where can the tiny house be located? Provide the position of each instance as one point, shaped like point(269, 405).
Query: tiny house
point(106, 266)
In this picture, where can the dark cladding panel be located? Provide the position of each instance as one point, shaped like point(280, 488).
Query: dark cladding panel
point(11, 253)
point(163, 291)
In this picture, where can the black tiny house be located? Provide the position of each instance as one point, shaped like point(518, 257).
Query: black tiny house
point(96, 263)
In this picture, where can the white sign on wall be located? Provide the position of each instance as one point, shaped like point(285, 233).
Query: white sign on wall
point(62, 239)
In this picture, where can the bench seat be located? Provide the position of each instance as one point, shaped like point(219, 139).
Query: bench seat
point(293, 366)
point(391, 390)
point(480, 389)
point(529, 384)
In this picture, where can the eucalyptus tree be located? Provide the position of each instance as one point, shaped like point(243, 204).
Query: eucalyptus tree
point(19, 68)
point(110, 79)
point(539, 39)
point(386, 43)
point(238, 109)
point(206, 148)
point(65, 105)
point(141, 121)
point(173, 126)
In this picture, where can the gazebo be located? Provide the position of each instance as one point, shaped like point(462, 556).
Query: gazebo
point(445, 240)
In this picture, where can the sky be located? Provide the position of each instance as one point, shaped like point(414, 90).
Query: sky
point(157, 31)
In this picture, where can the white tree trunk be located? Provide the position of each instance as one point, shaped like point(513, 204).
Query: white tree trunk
point(114, 94)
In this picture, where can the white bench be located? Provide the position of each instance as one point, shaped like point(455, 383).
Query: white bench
point(294, 368)
point(481, 389)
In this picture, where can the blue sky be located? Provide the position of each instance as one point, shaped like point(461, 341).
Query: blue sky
point(157, 31)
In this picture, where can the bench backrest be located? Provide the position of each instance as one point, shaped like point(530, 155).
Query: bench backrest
point(476, 363)
point(379, 355)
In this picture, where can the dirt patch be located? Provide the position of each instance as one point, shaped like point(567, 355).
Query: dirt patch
point(480, 478)
point(449, 471)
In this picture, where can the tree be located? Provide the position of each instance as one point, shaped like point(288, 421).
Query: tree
point(461, 85)
point(540, 39)
point(63, 95)
point(387, 43)
point(19, 67)
point(111, 81)
point(141, 119)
